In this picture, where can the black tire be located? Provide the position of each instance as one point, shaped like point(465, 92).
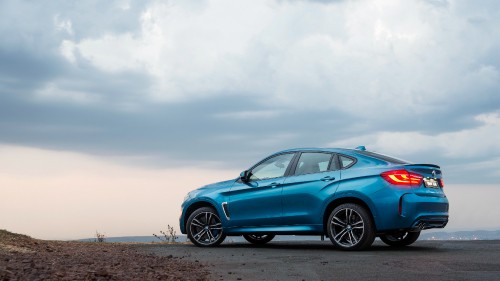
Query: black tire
point(400, 239)
point(350, 227)
point(204, 228)
point(258, 239)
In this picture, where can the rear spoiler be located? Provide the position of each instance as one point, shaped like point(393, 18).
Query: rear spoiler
point(426, 165)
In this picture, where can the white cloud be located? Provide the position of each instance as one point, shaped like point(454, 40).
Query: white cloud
point(67, 49)
point(154, 79)
point(394, 72)
point(256, 114)
point(63, 25)
point(124, 5)
point(190, 49)
point(460, 154)
point(468, 143)
point(367, 57)
point(112, 53)
point(51, 92)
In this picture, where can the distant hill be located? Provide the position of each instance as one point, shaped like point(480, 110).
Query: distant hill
point(137, 239)
point(442, 235)
point(462, 235)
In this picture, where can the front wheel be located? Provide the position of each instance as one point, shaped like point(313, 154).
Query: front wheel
point(350, 227)
point(258, 239)
point(400, 239)
point(204, 228)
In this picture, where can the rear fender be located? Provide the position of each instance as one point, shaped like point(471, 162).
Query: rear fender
point(355, 197)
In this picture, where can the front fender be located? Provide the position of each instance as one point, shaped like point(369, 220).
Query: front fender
point(189, 206)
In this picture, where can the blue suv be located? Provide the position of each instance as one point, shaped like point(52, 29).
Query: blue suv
point(349, 195)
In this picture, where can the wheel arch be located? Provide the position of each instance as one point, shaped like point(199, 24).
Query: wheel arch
point(196, 205)
point(343, 200)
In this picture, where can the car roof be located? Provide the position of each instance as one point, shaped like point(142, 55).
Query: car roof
point(337, 150)
point(356, 152)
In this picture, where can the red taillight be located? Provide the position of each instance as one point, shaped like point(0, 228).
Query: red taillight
point(402, 178)
point(441, 183)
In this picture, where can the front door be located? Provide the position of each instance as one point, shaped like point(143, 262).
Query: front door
point(258, 201)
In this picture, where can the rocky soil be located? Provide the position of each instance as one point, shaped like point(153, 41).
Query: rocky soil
point(25, 258)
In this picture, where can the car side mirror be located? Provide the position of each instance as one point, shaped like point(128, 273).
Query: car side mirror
point(244, 176)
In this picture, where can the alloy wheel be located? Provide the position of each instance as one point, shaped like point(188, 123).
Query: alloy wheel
point(350, 227)
point(258, 239)
point(347, 227)
point(400, 239)
point(205, 228)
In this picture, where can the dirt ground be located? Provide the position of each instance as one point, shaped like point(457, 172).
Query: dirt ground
point(24, 258)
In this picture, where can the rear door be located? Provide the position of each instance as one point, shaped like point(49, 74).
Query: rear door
point(315, 176)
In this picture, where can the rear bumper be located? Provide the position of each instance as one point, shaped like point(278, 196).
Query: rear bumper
point(414, 213)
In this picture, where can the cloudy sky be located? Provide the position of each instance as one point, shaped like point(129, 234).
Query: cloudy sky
point(107, 105)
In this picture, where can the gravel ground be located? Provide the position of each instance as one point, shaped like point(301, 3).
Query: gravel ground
point(24, 258)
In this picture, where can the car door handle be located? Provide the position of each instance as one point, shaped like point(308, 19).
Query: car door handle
point(274, 184)
point(328, 178)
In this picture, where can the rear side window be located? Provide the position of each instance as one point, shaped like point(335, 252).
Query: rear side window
point(346, 162)
point(312, 162)
point(383, 157)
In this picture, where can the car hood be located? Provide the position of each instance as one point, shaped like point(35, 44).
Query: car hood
point(217, 185)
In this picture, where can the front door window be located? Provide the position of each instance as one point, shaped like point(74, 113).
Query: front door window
point(273, 167)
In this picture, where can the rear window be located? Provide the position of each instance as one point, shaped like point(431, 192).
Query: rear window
point(383, 157)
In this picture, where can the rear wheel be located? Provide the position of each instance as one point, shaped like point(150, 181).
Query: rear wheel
point(400, 239)
point(204, 228)
point(350, 227)
point(258, 239)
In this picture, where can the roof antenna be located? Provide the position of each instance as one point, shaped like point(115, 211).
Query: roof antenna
point(361, 147)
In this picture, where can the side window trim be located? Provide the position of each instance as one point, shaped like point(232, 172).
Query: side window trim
point(334, 163)
point(354, 161)
point(332, 159)
point(293, 164)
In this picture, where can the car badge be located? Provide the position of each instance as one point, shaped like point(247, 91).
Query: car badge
point(434, 173)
